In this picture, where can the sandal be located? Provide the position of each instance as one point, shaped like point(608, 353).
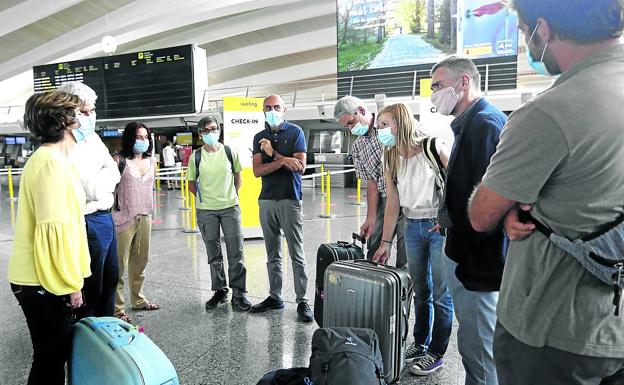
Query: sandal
point(148, 306)
point(124, 317)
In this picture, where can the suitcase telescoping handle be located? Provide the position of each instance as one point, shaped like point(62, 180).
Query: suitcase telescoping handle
point(358, 237)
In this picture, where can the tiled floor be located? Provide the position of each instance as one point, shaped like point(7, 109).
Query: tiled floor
point(220, 346)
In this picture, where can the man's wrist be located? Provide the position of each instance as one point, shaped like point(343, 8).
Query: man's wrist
point(386, 241)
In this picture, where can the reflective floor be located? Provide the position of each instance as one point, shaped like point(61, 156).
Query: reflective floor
point(219, 346)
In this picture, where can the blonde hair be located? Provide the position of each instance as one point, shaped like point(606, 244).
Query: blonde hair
point(408, 136)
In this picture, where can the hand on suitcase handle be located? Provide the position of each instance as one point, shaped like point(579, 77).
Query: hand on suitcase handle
point(382, 254)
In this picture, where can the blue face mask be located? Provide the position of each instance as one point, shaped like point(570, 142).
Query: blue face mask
point(273, 118)
point(87, 127)
point(359, 129)
point(140, 146)
point(386, 137)
point(538, 66)
point(211, 138)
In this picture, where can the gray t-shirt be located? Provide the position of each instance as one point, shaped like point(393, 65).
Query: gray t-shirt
point(563, 152)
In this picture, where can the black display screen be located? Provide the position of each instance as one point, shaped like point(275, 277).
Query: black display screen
point(145, 83)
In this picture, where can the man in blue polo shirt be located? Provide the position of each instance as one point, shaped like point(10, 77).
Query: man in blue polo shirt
point(280, 158)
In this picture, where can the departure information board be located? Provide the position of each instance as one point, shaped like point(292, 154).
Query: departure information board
point(147, 83)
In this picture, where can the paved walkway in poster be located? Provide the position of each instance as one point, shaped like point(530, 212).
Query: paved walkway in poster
point(407, 49)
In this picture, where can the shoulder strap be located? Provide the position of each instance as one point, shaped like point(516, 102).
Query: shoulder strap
point(431, 152)
point(228, 153)
point(122, 163)
point(197, 160)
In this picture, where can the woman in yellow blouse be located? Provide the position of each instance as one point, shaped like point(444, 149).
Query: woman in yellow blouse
point(50, 256)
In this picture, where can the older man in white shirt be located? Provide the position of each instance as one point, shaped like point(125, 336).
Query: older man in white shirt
point(99, 175)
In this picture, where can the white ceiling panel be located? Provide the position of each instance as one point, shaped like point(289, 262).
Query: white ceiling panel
point(258, 41)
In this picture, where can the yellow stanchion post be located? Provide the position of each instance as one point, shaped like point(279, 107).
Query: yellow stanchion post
point(184, 190)
point(10, 182)
point(157, 177)
point(187, 192)
point(322, 179)
point(193, 227)
point(181, 184)
point(327, 198)
point(358, 192)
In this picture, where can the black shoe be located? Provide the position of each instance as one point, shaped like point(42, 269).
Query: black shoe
point(268, 304)
point(220, 296)
point(305, 313)
point(242, 303)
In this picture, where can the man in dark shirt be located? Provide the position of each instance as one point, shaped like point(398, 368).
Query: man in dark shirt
point(475, 260)
point(280, 158)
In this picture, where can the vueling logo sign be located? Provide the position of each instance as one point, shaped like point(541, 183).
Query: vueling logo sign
point(350, 341)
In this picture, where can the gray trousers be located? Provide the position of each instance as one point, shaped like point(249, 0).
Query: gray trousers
point(521, 364)
point(375, 238)
point(284, 214)
point(229, 220)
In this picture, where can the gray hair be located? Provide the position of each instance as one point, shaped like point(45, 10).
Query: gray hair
point(83, 91)
point(207, 120)
point(348, 105)
point(460, 66)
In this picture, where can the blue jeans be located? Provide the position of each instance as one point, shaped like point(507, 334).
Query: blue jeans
point(99, 288)
point(433, 306)
point(476, 314)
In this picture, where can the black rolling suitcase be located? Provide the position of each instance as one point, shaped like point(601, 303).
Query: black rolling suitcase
point(363, 294)
point(326, 254)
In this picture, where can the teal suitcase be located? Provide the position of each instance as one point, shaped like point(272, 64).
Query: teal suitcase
point(108, 351)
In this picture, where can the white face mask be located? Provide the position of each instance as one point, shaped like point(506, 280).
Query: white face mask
point(446, 99)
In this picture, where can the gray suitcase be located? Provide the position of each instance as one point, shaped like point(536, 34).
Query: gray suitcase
point(363, 294)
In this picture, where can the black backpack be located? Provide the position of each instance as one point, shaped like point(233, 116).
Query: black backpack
point(346, 356)
point(292, 376)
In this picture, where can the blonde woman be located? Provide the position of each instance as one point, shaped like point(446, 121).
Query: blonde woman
point(411, 184)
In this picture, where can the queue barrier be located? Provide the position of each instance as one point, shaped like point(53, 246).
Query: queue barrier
point(326, 180)
point(10, 172)
point(179, 174)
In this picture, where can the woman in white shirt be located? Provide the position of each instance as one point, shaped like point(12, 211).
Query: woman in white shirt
point(411, 185)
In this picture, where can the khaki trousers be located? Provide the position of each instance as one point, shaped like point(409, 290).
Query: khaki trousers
point(133, 246)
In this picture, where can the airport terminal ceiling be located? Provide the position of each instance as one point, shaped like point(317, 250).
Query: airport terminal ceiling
point(246, 41)
point(290, 47)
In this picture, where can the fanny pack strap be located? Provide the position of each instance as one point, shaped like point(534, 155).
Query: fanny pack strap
point(561, 242)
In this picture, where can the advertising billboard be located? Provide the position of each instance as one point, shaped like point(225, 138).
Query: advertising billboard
point(376, 34)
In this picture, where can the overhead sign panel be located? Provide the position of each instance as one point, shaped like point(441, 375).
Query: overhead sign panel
point(165, 81)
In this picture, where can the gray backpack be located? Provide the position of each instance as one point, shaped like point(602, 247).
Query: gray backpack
point(346, 356)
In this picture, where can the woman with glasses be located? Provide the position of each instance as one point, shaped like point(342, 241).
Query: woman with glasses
point(214, 171)
point(132, 214)
point(50, 257)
